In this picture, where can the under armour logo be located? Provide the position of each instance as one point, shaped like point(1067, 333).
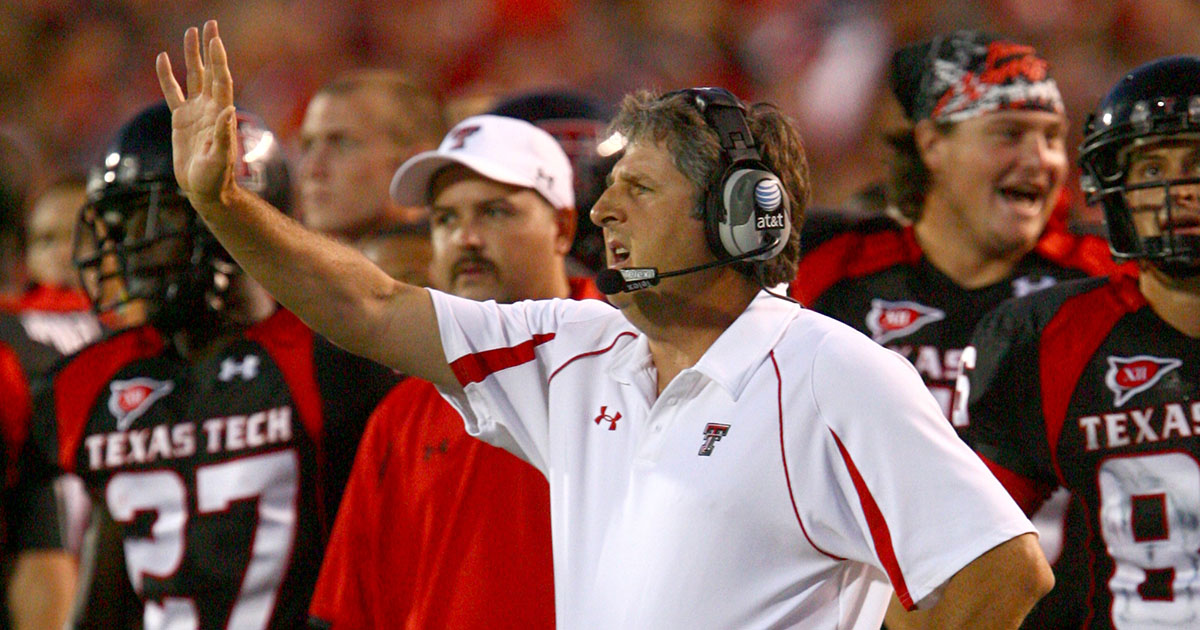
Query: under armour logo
point(440, 448)
point(1025, 285)
point(247, 368)
point(713, 433)
point(543, 180)
point(604, 417)
point(460, 135)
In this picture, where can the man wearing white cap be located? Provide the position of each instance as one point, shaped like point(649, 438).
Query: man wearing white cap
point(507, 178)
point(437, 529)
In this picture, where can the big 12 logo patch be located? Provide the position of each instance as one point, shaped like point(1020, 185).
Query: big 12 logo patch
point(1129, 376)
point(889, 320)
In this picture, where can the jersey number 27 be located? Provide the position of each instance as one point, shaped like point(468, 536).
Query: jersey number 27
point(270, 478)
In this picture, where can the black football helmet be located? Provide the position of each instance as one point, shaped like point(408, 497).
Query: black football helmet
point(139, 239)
point(1156, 101)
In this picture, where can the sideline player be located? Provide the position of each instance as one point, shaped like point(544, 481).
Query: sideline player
point(977, 174)
point(52, 317)
point(37, 563)
point(709, 465)
point(469, 523)
point(356, 132)
point(1092, 384)
point(217, 436)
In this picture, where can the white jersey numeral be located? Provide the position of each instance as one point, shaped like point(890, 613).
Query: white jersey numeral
point(272, 478)
point(1150, 520)
point(957, 406)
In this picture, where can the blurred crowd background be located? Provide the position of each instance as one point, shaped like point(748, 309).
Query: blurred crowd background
point(72, 70)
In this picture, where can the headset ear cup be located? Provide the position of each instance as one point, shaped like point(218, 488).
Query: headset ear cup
point(746, 208)
point(756, 212)
point(783, 212)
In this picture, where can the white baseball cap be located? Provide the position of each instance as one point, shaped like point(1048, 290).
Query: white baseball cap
point(506, 150)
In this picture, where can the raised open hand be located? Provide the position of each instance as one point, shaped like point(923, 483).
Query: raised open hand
point(203, 138)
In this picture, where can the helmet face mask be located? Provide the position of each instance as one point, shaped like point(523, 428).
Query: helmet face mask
point(144, 245)
point(140, 248)
point(1152, 116)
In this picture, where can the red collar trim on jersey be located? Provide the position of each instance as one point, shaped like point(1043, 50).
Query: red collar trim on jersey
point(1125, 285)
point(584, 289)
point(1087, 253)
point(852, 255)
point(44, 297)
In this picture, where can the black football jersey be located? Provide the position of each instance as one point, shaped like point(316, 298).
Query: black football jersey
point(1085, 386)
point(41, 338)
point(876, 279)
point(222, 472)
point(32, 343)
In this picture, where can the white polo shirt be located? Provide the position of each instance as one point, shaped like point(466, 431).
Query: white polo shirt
point(779, 483)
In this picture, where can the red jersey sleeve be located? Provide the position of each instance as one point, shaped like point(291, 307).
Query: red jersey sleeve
point(14, 411)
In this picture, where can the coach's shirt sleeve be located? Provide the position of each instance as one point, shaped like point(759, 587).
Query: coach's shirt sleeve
point(923, 501)
point(500, 356)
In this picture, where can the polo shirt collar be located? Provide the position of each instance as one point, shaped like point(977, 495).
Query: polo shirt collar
point(631, 359)
point(731, 360)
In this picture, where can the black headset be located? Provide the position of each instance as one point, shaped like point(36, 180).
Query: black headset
point(747, 214)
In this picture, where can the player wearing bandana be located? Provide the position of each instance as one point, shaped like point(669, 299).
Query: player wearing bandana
point(976, 186)
point(1093, 384)
point(976, 180)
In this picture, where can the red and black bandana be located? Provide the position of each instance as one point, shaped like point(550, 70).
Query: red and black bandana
point(967, 73)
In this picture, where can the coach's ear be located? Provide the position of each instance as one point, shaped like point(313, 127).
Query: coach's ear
point(931, 144)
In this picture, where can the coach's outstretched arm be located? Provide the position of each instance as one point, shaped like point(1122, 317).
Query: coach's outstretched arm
point(330, 286)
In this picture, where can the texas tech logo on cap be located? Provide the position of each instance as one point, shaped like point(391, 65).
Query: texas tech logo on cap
point(130, 399)
point(461, 134)
point(889, 320)
point(1129, 376)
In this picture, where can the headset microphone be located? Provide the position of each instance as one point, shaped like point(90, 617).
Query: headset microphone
point(612, 281)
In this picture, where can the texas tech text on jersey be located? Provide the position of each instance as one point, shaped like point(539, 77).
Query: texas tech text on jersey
point(118, 449)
